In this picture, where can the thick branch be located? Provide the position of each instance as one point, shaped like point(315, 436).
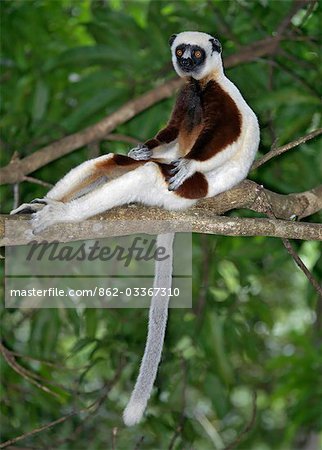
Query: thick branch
point(203, 218)
point(154, 221)
point(248, 195)
point(16, 170)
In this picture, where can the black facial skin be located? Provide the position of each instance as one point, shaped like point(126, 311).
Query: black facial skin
point(190, 63)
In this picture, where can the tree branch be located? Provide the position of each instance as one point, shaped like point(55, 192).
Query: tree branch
point(202, 218)
point(16, 170)
point(123, 221)
point(247, 195)
point(23, 372)
point(278, 151)
point(90, 410)
point(287, 244)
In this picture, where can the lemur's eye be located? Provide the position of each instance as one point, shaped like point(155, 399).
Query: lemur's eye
point(179, 52)
point(197, 54)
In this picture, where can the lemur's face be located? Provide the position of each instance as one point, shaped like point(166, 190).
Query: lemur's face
point(195, 54)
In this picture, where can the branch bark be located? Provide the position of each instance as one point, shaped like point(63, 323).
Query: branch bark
point(248, 195)
point(202, 218)
point(16, 170)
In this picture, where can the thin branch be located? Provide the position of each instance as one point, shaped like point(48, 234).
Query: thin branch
point(29, 376)
point(92, 408)
point(310, 9)
point(45, 362)
point(302, 266)
point(38, 429)
point(122, 138)
point(296, 6)
point(278, 151)
point(16, 194)
point(37, 181)
point(247, 428)
point(293, 253)
point(15, 171)
point(139, 443)
point(207, 254)
point(114, 433)
point(179, 428)
point(293, 75)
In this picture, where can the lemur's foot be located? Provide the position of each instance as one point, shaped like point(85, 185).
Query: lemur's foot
point(183, 169)
point(50, 214)
point(140, 153)
point(28, 208)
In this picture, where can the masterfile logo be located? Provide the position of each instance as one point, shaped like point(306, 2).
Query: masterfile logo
point(109, 272)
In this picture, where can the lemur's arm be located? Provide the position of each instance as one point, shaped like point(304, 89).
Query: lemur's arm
point(158, 145)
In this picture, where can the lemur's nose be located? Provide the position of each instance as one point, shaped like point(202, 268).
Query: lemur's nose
point(186, 62)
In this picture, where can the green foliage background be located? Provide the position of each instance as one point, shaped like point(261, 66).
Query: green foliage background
point(256, 321)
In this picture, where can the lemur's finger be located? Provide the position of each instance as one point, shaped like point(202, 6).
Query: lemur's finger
point(140, 153)
point(174, 170)
point(175, 182)
point(176, 162)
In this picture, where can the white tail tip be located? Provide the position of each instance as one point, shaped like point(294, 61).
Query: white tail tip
point(133, 413)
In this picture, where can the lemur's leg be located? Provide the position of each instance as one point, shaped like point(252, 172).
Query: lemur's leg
point(83, 178)
point(108, 167)
point(77, 179)
point(146, 184)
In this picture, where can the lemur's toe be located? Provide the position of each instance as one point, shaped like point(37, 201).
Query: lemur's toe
point(54, 212)
point(40, 201)
point(174, 183)
point(27, 208)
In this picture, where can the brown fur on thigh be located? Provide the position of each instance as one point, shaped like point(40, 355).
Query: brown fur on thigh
point(193, 188)
point(112, 168)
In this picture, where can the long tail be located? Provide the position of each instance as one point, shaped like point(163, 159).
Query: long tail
point(154, 344)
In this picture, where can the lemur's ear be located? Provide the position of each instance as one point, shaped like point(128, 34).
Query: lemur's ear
point(172, 38)
point(216, 45)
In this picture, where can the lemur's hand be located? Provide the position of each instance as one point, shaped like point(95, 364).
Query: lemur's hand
point(140, 153)
point(183, 169)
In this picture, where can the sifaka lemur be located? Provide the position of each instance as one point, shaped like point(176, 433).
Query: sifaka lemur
point(206, 148)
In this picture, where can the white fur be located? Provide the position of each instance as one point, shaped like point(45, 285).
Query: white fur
point(213, 58)
point(154, 343)
point(143, 185)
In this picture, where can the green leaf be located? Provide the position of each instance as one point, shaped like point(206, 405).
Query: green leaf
point(81, 344)
point(91, 322)
point(40, 101)
point(89, 108)
point(86, 56)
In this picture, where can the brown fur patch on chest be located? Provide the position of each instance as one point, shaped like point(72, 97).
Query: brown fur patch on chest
point(187, 139)
point(222, 123)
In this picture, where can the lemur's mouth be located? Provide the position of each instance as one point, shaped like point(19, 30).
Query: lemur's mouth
point(186, 65)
